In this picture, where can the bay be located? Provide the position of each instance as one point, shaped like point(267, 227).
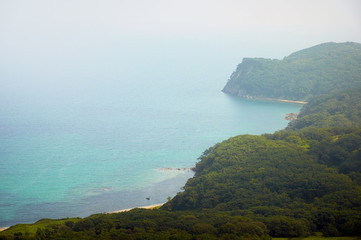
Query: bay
point(99, 138)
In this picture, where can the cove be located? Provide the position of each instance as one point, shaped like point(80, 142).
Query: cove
point(75, 156)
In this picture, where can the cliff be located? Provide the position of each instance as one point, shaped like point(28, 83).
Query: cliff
point(303, 74)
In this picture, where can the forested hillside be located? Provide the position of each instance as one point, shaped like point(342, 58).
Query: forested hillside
point(339, 109)
point(310, 72)
point(296, 182)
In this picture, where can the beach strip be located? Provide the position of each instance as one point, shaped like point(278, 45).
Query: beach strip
point(291, 101)
point(118, 211)
point(144, 207)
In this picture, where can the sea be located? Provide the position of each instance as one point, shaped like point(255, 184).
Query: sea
point(89, 136)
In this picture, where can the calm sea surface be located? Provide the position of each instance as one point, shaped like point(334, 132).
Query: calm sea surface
point(72, 148)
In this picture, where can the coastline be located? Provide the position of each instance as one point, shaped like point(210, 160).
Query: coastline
point(273, 99)
point(117, 211)
point(111, 201)
point(291, 101)
point(175, 169)
point(264, 98)
point(143, 207)
point(142, 195)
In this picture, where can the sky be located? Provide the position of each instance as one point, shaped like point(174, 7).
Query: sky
point(87, 38)
point(259, 21)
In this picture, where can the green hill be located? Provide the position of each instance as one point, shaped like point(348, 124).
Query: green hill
point(339, 109)
point(310, 72)
point(296, 182)
point(291, 183)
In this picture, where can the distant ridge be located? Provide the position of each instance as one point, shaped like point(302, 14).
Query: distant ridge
point(316, 70)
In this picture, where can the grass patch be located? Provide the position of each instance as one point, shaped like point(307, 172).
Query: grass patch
point(30, 229)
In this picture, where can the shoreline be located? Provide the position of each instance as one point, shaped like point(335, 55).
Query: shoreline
point(274, 100)
point(117, 211)
point(187, 169)
point(291, 101)
point(158, 192)
point(143, 207)
point(265, 98)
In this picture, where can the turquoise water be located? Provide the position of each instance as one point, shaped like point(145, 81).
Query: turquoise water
point(96, 139)
point(63, 156)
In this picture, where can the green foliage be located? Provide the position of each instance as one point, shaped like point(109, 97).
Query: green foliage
point(152, 224)
point(296, 182)
point(39, 226)
point(339, 109)
point(280, 182)
point(300, 76)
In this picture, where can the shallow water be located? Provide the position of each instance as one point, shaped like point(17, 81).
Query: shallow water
point(94, 139)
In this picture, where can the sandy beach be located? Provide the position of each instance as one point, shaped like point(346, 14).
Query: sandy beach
point(291, 101)
point(118, 211)
point(269, 99)
point(145, 207)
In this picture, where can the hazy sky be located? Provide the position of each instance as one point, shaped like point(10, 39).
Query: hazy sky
point(62, 23)
point(38, 36)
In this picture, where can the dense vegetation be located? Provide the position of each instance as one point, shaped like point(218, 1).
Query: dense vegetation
point(306, 178)
point(296, 183)
point(310, 72)
point(292, 183)
point(339, 109)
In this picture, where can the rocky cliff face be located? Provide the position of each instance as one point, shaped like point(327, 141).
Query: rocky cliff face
point(240, 82)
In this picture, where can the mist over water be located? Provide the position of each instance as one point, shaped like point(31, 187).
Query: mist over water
point(97, 97)
point(90, 131)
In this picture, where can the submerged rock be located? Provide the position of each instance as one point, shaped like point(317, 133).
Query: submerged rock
point(291, 116)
